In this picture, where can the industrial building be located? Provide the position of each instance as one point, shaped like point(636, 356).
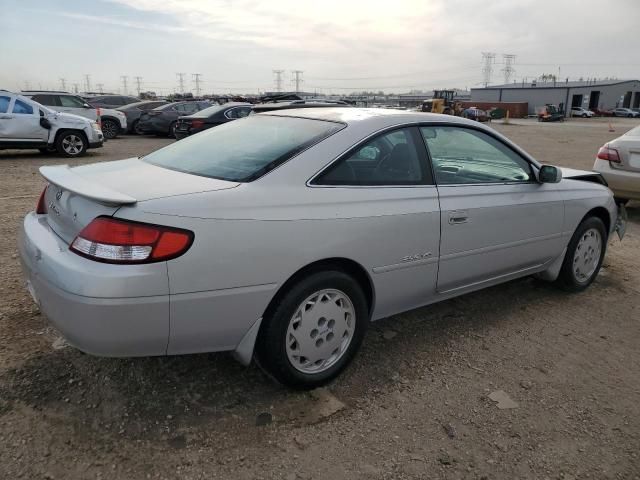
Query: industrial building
point(591, 94)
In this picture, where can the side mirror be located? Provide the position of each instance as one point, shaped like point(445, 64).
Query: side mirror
point(45, 123)
point(549, 174)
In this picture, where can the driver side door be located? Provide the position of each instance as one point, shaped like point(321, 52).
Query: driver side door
point(497, 221)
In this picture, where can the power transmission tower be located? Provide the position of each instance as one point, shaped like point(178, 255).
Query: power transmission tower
point(181, 81)
point(508, 69)
point(138, 81)
point(296, 78)
point(487, 67)
point(124, 79)
point(63, 84)
point(87, 80)
point(100, 87)
point(196, 79)
point(75, 88)
point(278, 79)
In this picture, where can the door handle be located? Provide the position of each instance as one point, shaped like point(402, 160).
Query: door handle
point(458, 216)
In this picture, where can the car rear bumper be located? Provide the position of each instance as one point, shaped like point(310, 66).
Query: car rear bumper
point(100, 310)
point(623, 183)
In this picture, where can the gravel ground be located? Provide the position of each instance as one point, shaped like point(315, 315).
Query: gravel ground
point(416, 403)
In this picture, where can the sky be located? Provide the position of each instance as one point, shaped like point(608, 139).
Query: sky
point(340, 46)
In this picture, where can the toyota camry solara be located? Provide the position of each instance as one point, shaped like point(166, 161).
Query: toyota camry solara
point(281, 236)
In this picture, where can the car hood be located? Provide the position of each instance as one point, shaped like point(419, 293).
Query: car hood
point(587, 175)
point(144, 181)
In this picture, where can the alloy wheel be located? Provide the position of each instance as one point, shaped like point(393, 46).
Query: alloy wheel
point(320, 331)
point(72, 144)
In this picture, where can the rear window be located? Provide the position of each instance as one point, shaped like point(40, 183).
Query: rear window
point(243, 150)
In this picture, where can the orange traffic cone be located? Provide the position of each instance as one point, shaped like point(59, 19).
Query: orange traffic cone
point(611, 129)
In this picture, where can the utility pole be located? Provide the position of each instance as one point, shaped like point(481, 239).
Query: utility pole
point(138, 81)
point(75, 88)
point(87, 79)
point(63, 84)
point(508, 69)
point(296, 78)
point(181, 81)
point(196, 79)
point(278, 79)
point(100, 87)
point(124, 79)
point(487, 67)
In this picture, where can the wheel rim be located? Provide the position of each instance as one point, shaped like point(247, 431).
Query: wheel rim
point(320, 331)
point(72, 144)
point(109, 129)
point(587, 255)
point(137, 128)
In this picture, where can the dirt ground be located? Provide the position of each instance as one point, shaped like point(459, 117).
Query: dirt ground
point(415, 403)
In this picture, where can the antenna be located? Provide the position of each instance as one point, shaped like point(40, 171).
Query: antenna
point(278, 79)
point(124, 79)
point(63, 84)
point(138, 81)
point(296, 78)
point(181, 81)
point(196, 79)
point(487, 67)
point(508, 69)
point(87, 81)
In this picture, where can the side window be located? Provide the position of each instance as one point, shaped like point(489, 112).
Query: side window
point(23, 108)
point(180, 108)
point(190, 107)
point(466, 156)
point(48, 100)
point(235, 113)
point(244, 112)
point(389, 159)
point(4, 104)
point(71, 102)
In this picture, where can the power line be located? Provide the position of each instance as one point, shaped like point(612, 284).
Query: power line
point(124, 79)
point(181, 81)
point(487, 66)
point(196, 79)
point(138, 81)
point(296, 79)
point(278, 79)
point(508, 69)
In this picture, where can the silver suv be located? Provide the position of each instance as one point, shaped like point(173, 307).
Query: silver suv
point(25, 123)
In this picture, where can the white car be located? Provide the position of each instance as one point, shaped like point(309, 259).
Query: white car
point(113, 122)
point(25, 123)
point(619, 163)
point(625, 112)
point(581, 112)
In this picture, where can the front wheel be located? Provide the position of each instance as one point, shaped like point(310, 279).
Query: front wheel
point(71, 144)
point(110, 129)
point(584, 255)
point(314, 331)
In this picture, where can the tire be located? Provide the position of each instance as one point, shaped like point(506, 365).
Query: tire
point(110, 128)
point(584, 241)
point(172, 129)
point(629, 116)
point(47, 150)
point(584, 115)
point(71, 143)
point(294, 319)
point(135, 128)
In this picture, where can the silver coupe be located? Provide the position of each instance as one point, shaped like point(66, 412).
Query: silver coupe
point(280, 236)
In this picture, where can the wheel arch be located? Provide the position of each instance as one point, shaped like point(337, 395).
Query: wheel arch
point(64, 130)
point(601, 213)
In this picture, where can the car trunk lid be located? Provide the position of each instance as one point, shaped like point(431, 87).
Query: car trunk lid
point(75, 196)
point(629, 150)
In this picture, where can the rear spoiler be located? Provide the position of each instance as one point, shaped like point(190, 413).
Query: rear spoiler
point(63, 176)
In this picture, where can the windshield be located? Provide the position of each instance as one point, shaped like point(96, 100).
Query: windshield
point(245, 149)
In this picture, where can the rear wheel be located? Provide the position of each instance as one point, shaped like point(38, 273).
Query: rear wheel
point(71, 144)
point(584, 115)
point(314, 330)
point(110, 129)
point(172, 129)
point(136, 128)
point(584, 255)
point(47, 150)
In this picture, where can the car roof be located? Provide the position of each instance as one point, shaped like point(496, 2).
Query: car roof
point(382, 116)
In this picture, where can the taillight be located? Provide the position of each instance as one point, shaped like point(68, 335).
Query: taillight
point(609, 153)
point(197, 123)
point(112, 240)
point(41, 206)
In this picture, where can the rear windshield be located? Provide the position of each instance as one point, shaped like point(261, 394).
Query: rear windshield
point(245, 149)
